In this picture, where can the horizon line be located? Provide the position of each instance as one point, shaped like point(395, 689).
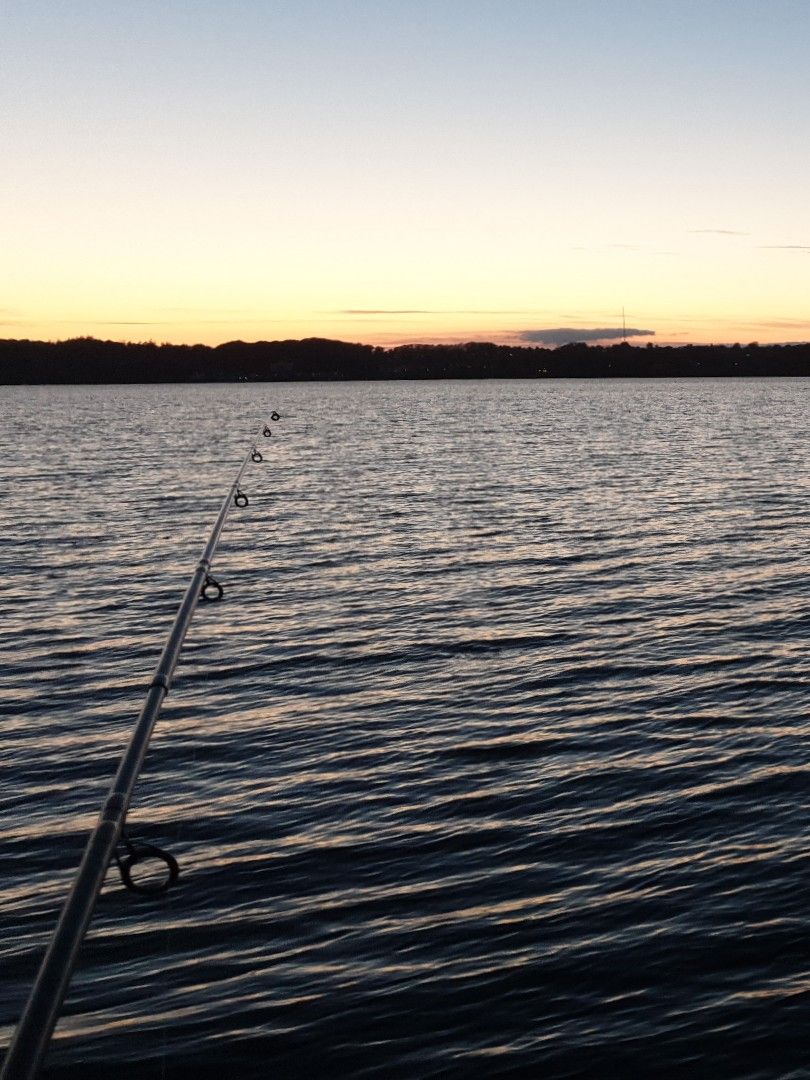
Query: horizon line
point(599, 343)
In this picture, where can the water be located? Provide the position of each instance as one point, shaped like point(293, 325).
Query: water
point(493, 762)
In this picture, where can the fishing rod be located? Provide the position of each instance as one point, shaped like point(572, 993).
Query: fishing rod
point(44, 1004)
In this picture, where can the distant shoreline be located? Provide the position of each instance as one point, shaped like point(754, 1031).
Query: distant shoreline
point(88, 361)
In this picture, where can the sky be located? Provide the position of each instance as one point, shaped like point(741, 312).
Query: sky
point(391, 171)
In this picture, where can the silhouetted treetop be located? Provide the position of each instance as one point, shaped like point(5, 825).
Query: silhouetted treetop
point(89, 360)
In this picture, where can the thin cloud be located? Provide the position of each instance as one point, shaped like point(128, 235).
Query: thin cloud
point(784, 324)
point(565, 335)
point(719, 232)
point(435, 311)
point(784, 247)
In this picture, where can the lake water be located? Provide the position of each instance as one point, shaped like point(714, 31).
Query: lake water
point(492, 762)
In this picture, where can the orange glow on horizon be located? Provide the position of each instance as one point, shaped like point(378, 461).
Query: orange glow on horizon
point(393, 330)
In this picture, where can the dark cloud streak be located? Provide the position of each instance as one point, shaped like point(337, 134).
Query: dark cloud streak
point(564, 335)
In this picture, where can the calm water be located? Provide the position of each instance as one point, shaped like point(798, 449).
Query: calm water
point(493, 762)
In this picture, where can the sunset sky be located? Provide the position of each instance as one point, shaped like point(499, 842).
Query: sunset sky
point(405, 170)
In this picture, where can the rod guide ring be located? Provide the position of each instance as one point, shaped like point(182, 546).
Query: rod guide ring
point(139, 853)
point(211, 586)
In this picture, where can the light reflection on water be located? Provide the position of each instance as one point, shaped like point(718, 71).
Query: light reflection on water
point(491, 762)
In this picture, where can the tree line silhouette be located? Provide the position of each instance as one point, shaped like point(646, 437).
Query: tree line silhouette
point(89, 360)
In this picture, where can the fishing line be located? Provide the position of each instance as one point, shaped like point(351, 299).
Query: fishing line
point(109, 840)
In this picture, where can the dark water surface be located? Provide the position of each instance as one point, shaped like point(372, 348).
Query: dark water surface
point(493, 762)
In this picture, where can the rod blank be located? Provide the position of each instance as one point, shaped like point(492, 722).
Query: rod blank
point(44, 1004)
